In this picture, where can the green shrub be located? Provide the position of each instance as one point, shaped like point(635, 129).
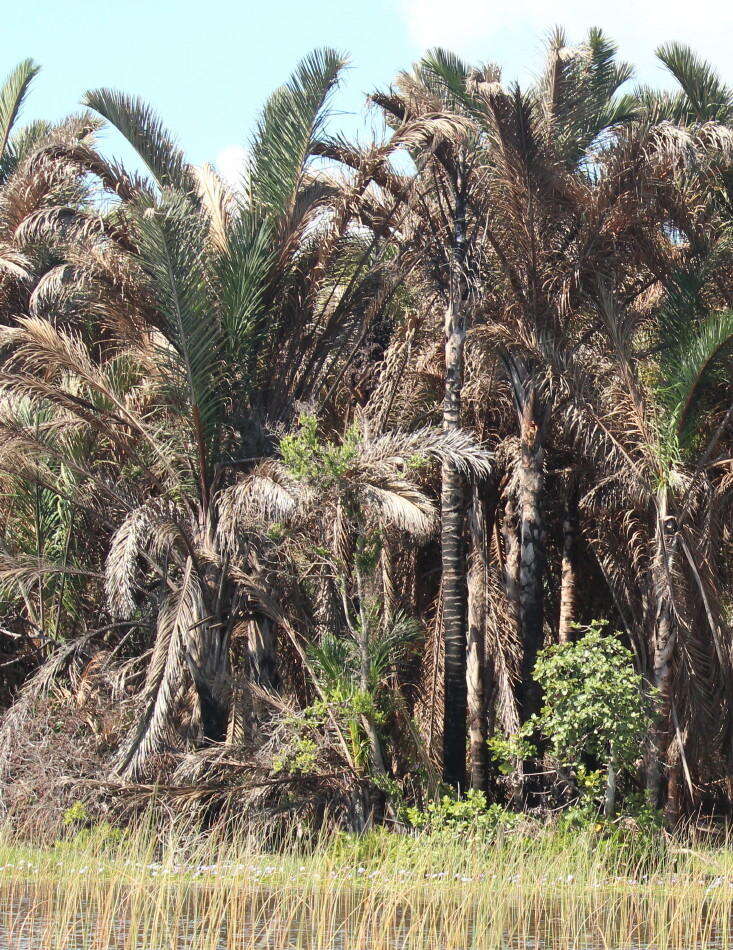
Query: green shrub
point(469, 815)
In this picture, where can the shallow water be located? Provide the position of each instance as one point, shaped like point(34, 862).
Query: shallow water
point(195, 917)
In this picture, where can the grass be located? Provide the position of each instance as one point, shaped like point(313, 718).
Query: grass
point(102, 891)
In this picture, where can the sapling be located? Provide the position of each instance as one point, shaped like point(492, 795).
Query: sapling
point(594, 704)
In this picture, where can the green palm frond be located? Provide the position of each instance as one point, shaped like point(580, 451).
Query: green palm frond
point(334, 661)
point(708, 97)
point(12, 94)
point(21, 145)
point(687, 367)
point(291, 122)
point(172, 253)
point(243, 273)
point(389, 648)
point(577, 93)
point(142, 128)
point(449, 77)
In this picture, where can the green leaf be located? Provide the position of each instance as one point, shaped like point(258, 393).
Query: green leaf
point(145, 132)
point(12, 94)
point(288, 127)
point(708, 98)
point(172, 253)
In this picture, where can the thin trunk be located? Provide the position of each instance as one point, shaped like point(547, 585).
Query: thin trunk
point(568, 594)
point(389, 595)
point(510, 536)
point(452, 517)
point(609, 804)
point(673, 807)
point(532, 556)
point(664, 642)
point(476, 654)
point(240, 711)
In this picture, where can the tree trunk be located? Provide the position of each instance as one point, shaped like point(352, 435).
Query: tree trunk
point(261, 652)
point(673, 807)
point(207, 655)
point(609, 804)
point(476, 654)
point(532, 554)
point(664, 642)
point(452, 517)
point(568, 598)
point(510, 536)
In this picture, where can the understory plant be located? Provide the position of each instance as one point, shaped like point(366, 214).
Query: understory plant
point(595, 715)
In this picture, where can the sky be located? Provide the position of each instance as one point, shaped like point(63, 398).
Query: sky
point(207, 66)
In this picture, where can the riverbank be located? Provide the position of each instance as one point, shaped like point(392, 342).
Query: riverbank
point(123, 892)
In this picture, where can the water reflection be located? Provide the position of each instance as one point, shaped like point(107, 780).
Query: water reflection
point(115, 917)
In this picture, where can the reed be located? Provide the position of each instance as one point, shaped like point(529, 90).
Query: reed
point(208, 892)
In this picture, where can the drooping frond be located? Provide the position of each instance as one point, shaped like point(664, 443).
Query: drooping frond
point(456, 447)
point(708, 97)
point(267, 494)
point(402, 506)
point(688, 363)
point(179, 612)
point(12, 94)
point(143, 129)
point(124, 550)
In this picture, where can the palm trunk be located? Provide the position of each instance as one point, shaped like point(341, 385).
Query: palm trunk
point(510, 536)
point(532, 554)
point(207, 655)
point(261, 652)
point(568, 594)
point(452, 517)
point(476, 654)
point(664, 642)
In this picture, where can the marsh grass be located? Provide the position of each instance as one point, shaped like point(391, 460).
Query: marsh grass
point(146, 891)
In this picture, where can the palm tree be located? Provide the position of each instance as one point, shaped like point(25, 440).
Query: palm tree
point(208, 286)
point(357, 491)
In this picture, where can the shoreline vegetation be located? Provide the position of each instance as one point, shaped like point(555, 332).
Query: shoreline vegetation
point(545, 888)
point(365, 527)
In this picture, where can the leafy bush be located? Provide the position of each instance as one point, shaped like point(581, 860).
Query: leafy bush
point(594, 701)
point(469, 815)
point(594, 709)
point(306, 457)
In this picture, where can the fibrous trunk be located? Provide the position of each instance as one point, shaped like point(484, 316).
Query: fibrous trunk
point(532, 553)
point(476, 653)
point(664, 643)
point(568, 593)
point(207, 654)
point(261, 652)
point(452, 517)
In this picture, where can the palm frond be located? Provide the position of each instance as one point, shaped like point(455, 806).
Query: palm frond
point(180, 610)
point(143, 129)
point(12, 94)
point(290, 123)
point(708, 98)
point(172, 254)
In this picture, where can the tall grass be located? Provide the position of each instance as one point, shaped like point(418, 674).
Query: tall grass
point(179, 890)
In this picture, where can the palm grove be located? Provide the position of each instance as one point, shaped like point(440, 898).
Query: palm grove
point(299, 478)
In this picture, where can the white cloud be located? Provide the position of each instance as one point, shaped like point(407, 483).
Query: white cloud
point(231, 163)
point(509, 32)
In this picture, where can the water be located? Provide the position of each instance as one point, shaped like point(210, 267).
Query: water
point(112, 916)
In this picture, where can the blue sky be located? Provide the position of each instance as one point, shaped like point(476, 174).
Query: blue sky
point(208, 65)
